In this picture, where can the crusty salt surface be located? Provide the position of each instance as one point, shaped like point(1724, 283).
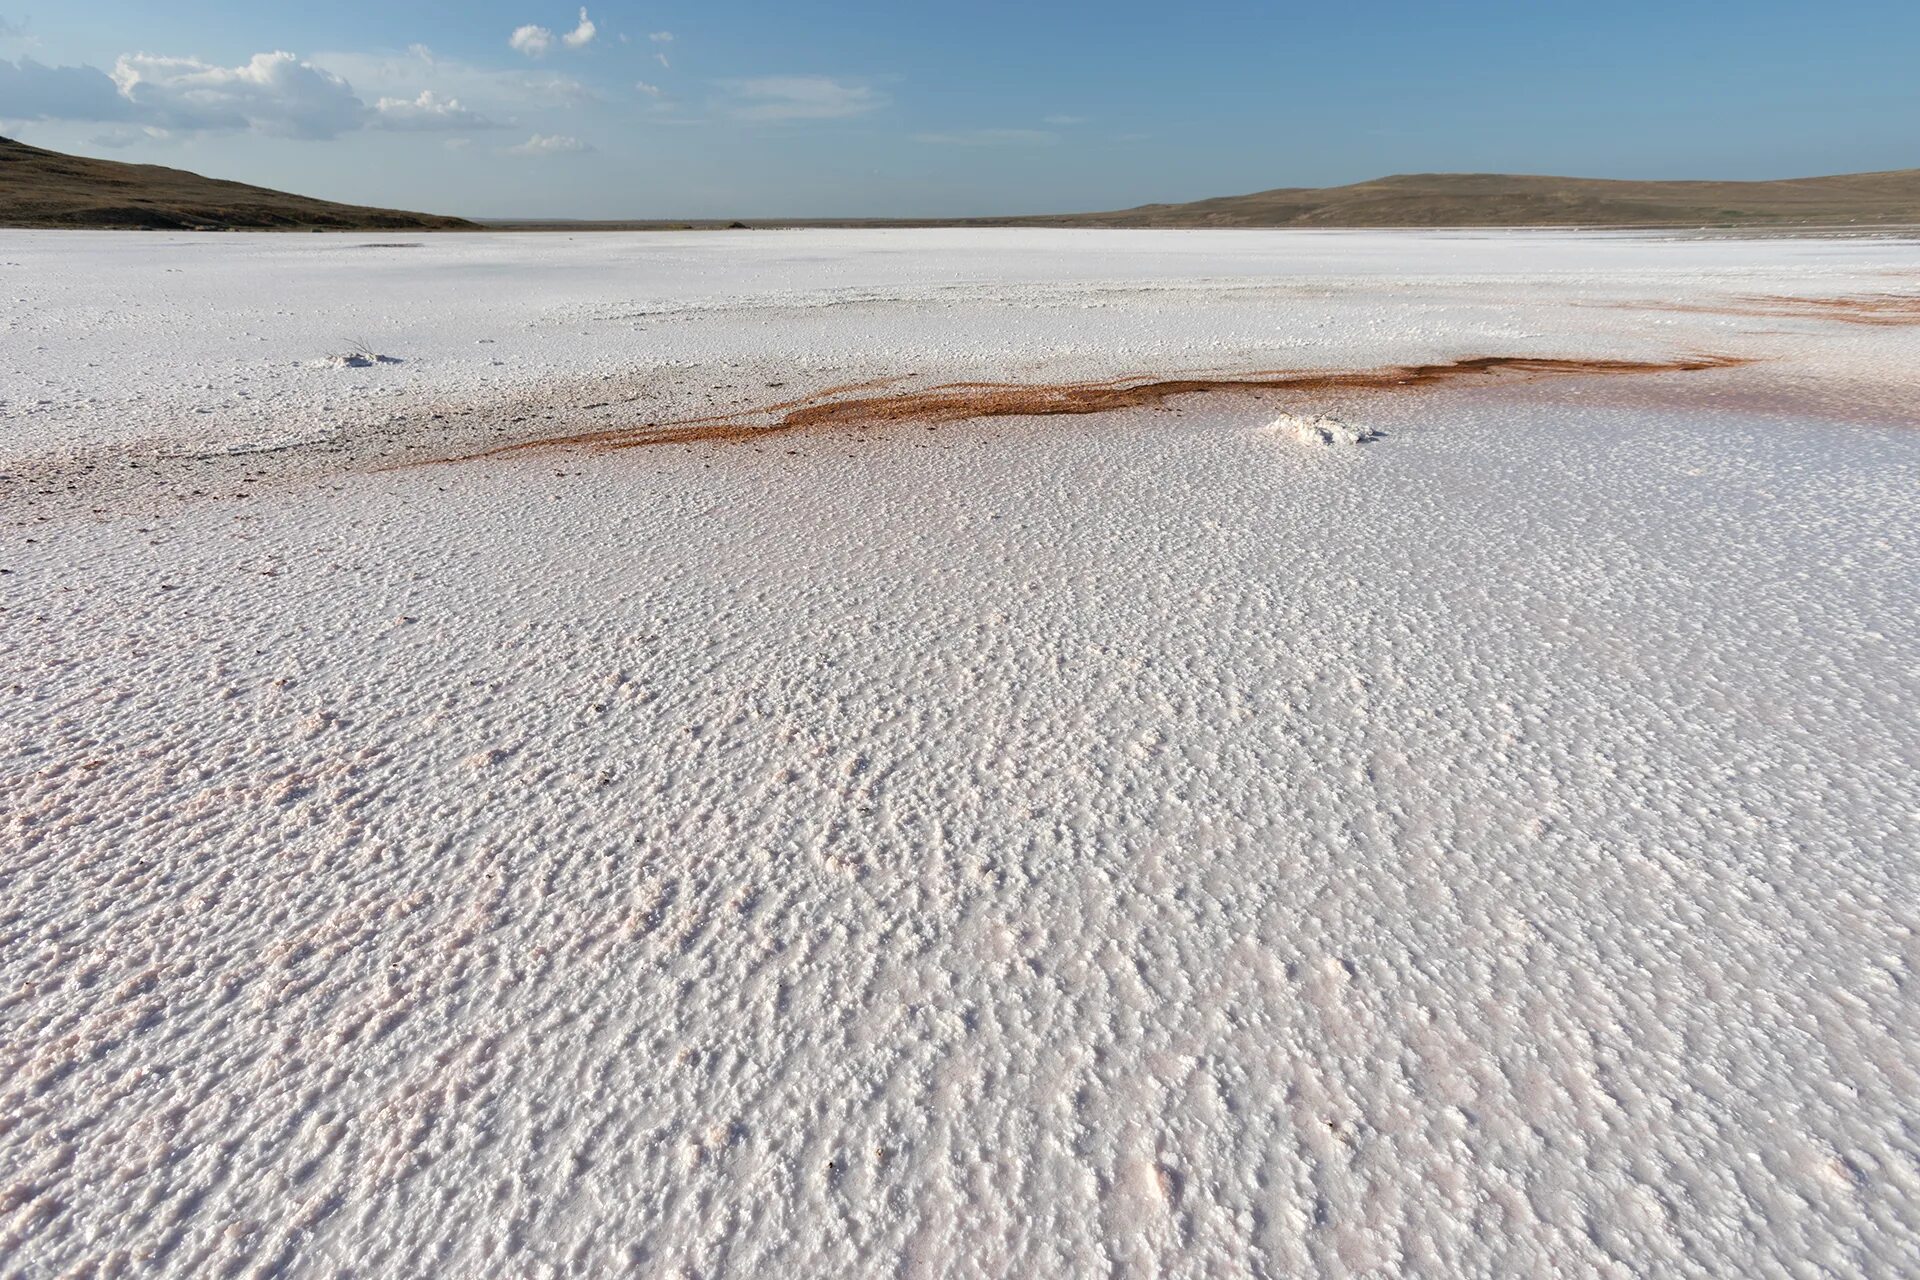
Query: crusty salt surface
point(1062, 847)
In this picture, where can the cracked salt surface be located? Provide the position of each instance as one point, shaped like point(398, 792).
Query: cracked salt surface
point(1038, 846)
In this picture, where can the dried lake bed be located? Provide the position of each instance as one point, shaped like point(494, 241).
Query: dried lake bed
point(721, 755)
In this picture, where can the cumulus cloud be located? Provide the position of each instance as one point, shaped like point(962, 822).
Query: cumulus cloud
point(272, 93)
point(32, 90)
point(799, 98)
point(546, 144)
point(428, 111)
point(535, 42)
point(581, 36)
point(991, 138)
point(661, 37)
point(651, 90)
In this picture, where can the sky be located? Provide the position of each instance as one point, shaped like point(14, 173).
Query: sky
point(831, 108)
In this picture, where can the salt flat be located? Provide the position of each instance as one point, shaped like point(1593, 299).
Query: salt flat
point(1140, 842)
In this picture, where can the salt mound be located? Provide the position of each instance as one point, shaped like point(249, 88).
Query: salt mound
point(1311, 428)
point(354, 360)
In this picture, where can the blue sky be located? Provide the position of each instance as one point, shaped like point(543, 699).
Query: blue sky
point(746, 108)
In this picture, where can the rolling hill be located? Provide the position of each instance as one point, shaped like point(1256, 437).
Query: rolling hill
point(1521, 200)
point(48, 189)
point(41, 188)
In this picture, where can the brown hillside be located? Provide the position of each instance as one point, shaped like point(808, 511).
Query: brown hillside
point(1519, 200)
point(47, 189)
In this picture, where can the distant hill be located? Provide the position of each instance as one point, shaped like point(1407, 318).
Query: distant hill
point(1890, 199)
point(47, 189)
point(1522, 200)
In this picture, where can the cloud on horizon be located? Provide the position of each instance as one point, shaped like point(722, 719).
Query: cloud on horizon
point(117, 139)
point(428, 111)
point(485, 89)
point(990, 138)
point(798, 98)
point(543, 144)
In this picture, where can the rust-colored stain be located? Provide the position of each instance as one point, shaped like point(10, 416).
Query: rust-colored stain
point(1873, 308)
point(847, 408)
point(1879, 309)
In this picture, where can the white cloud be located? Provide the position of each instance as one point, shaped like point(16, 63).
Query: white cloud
point(428, 111)
point(116, 139)
point(799, 98)
point(991, 138)
point(544, 144)
point(483, 89)
point(279, 94)
point(32, 90)
point(661, 58)
point(661, 37)
point(651, 90)
point(1064, 122)
point(581, 36)
point(535, 42)
point(272, 93)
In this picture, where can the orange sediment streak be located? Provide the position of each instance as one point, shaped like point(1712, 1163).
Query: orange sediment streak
point(1873, 309)
point(1878, 309)
point(958, 401)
